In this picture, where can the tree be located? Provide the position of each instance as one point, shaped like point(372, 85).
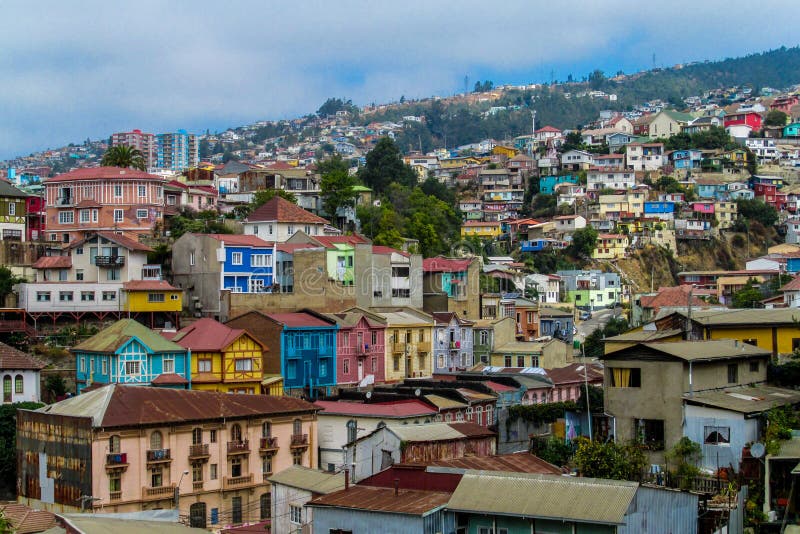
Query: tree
point(748, 297)
point(617, 461)
point(124, 156)
point(262, 197)
point(597, 79)
point(584, 241)
point(572, 141)
point(385, 166)
point(7, 281)
point(8, 443)
point(756, 210)
point(594, 344)
point(332, 105)
point(55, 386)
point(336, 186)
point(775, 118)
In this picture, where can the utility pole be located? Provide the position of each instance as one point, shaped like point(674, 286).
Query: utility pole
point(533, 130)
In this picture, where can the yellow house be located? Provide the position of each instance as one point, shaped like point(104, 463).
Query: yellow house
point(223, 358)
point(610, 246)
point(726, 213)
point(506, 151)
point(408, 344)
point(776, 330)
point(155, 300)
point(482, 229)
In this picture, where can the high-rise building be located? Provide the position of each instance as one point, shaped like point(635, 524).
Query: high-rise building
point(144, 142)
point(177, 151)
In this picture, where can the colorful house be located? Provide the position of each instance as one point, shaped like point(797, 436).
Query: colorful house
point(686, 159)
point(223, 358)
point(12, 212)
point(452, 343)
point(485, 230)
point(302, 348)
point(128, 352)
point(610, 246)
point(457, 279)
point(360, 346)
point(408, 344)
point(547, 184)
point(339, 253)
point(792, 130)
point(20, 375)
point(152, 299)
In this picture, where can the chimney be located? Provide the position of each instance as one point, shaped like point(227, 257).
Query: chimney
point(396, 487)
point(346, 479)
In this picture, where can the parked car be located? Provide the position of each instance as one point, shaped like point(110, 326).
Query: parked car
point(586, 315)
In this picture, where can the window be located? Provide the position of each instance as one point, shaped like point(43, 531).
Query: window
point(79, 275)
point(132, 368)
point(18, 385)
point(212, 472)
point(256, 285)
point(295, 514)
point(266, 506)
point(236, 258)
point(717, 435)
point(236, 510)
point(114, 482)
point(266, 466)
point(94, 215)
point(141, 214)
point(289, 229)
point(156, 440)
point(346, 366)
point(109, 295)
point(625, 377)
point(244, 364)
point(352, 430)
point(155, 297)
point(236, 467)
point(520, 361)
point(396, 363)
point(650, 433)
point(62, 275)
point(113, 444)
point(65, 296)
point(212, 436)
point(42, 296)
point(374, 338)
point(197, 472)
point(66, 217)
point(191, 258)
point(104, 366)
point(204, 366)
point(85, 216)
point(236, 432)
point(118, 216)
point(142, 191)
point(118, 190)
point(156, 478)
point(87, 296)
point(169, 366)
point(261, 260)
point(754, 366)
point(484, 337)
point(291, 371)
point(733, 373)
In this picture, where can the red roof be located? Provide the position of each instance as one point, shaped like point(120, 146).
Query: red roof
point(105, 173)
point(292, 247)
point(11, 358)
point(793, 285)
point(498, 387)
point(408, 502)
point(207, 334)
point(299, 319)
point(148, 285)
point(380, 249)
point(445, 265)
point(547, 129)
point(121, 240)
point(352, 239)
point(26, 520)
point(281, 210)
point(169, 379)
point(400, 408)
point(280, 166)
point(611, 236)
point(574, 373)
point(53, 262)
point(677, 296)
point(518, 462)
point(240, 240)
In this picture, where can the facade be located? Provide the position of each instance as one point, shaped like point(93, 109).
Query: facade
point(141, 141)
point(129, 353)
point(452, 343)
point(488, 333)
point(482, 229)
point(387, 277)
point(558, 324)
point(547, 184)
point(224, 359)
point(13, 204)
point(409, 336)
point(617, 179)
point(20, 375)
point(292, 489)
point(278, 219)
point(611, 247)
point(591, 289)
point(457, 280)
point(177, 151)
point(107, 199)
point(547, 286)
point(522, 354)
point(206, 453)
point(360, 347)
point(36, 217)
point(645, 156)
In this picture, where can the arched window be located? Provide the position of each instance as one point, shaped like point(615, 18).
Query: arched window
point(7, 388)
point(113, 444)
point(197, 436)
point(460, 416)
point(236, 432)
point(156, 440)
point(18, 385)
point(469, 413)
point(488, 415)
point(297, 427)
point(266, 429)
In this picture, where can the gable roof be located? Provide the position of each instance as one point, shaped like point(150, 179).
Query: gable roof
point(441, 264)
point(121, 240)
point(746, 399)
point(756, 317)
point(149, 285)
point(404, 501)
point(518, 462)
point(208, 334)
point(351, 318)
point(300, 319)
point(11, 358)
point(117, 405)
point(53, 262)
point(394, 409)
point(544, 496)
point(240, 240)
point(118, 334)
point(677, 296)
point(281, 210)
point(8, 190)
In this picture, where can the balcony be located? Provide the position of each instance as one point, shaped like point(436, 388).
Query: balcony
point(238, 447)
point(199, 451)
point(398, 347)
point(65, 201)
point(109, 261)
point(117, 461)
point(454, 345)
point(424, 346)
point(237, 482)
point(299, 441)
point(158, 456)
point(197, 486)
point(115, 496)
point(159, 493)
point(268, 445)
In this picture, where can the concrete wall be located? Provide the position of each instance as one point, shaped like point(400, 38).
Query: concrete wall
point(328, 519)
point(200, 281)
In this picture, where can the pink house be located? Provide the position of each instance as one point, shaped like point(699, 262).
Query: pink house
point(703, 207)
point(359, 347)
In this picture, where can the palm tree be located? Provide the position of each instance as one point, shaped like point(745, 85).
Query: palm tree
point(124, 156)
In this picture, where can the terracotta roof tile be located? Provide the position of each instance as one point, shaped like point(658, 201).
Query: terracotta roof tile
point(170, 379)
point(281, 210)
point(11, 358)
point(53, 262)
point(670, 297)
point(240, 240)
point(93, 173)
point(25, 520)
point(380, 249)
point(445, 265)
point(121, 240)
point(208, 334)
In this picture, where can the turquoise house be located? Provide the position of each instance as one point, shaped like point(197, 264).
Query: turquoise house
point(547, 184)
point(792, 130)
point(128, 352)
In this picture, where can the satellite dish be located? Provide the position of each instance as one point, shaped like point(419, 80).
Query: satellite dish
point(369, 395)
point(417, 392)
point(757, 450)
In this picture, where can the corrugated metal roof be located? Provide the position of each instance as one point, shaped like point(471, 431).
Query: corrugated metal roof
point(395, 409)
point(411, 502)
point(444, 403)
point(309, 479)
point(118, 334)
point(518, 462)
point(644, 335)
point(706, 350)
point(746, 317)
point(586, 500)
point(746, 399)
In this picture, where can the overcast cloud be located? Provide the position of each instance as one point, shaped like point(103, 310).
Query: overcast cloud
point(73, 70)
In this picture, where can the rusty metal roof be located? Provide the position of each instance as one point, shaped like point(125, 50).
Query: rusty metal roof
point(518, 462)
point(409, 502)
point(312, 480)
point(117, 405)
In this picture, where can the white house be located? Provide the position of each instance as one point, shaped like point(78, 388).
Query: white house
point(278, 219)
point(616, 179)
point(576, 159)
point(569, 223)
point(547, 285)
point(20, 374)
point(292, 488)
point(645, 156)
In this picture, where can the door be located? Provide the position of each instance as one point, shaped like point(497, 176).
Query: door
point(360, 369)
point(197, 515)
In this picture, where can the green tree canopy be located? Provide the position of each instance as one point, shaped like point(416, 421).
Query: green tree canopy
point(756, 210)
point(385, 166)
point(775, 117)
point(7, 280)
point(616, 461)
point(124, 156)
point(336, 186)
point(584, 241)
point(262, 197)
point(748, 297)
point(332, 105)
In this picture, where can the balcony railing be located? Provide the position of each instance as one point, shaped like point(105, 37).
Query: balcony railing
point(268, 444)
point(198, 451)
point(237, 482)
point(398, 347)
point(158, 455)
point(197, 486)
point(238, 447)
point(115, 496)
point(109, 261)
point(117, 459)
point(299, 440)
point(161, 492)
point(424, 346)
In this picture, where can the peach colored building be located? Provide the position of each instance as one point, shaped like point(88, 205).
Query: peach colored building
point(141, 448)
point(102, 198)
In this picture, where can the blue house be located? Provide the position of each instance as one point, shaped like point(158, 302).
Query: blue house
point(711, 188)
point(128, 352)
point(558, 324)
point(793, 265)
point(547, 184)
point(660, 210)
point(792, 130)
point(686, 159)
point(307, 341)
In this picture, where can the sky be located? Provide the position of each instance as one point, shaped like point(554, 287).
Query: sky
point(86, 69)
